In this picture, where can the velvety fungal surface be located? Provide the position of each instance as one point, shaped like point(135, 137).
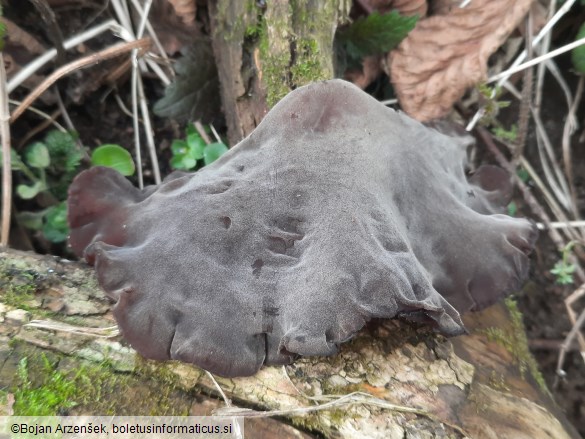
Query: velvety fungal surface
point(335, 210)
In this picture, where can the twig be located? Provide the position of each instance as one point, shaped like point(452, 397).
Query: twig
point(6, 162)
point(228, 404)
point(568, 129)
point(526, 100)
point(44, 115)
point(108, 332)
point(94, 58)
point(530, 200)
point(542, 67)
point(54, 33)
point(39, 62)
point(574, 332)
point(202, 133)
point(536, 60)
point(561, 225)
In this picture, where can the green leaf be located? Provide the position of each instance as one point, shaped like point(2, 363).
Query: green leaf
point(55, 228)
point(213, 151)
point(27, 192)
point(15, 162)
point(194, 94)
point(179, 147)
point(183, 162)
point(376, 33)
point(196, 145)
point(113, 156)
point(63, 149)
point(512, 208)
point(37, 155)
point(578, 53)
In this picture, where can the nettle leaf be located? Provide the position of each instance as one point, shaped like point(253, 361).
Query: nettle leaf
point(113, 156)
point(55, 228)
point(195, 93)
point(37, 155)
point(213, 151)
point(376, 33)
point(578, 53)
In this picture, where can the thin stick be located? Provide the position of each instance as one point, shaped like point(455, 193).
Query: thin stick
point(136, 125)
point(39, 62)
point(94, 58)
point(566, 143)
point(574, 332)
point(530, 200)
point(6, 162)
point(148, 131)
point(44, 115)
point(526, 101)
point(536, 60)
point(543, 32)
point(202, 133)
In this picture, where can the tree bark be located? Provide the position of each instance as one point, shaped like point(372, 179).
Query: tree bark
point(391, 381)
point(264, 50)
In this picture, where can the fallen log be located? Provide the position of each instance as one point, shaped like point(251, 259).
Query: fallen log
point(392, 380)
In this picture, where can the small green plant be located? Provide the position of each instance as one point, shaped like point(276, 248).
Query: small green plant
point(188, 152)
point(113, 156)
point(506, 135)
point(54, 393)
point(46, 169)
point(489, 99)
point(563, 270)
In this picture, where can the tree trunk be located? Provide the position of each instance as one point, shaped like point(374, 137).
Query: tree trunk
point(264, 50)
point(391, 381)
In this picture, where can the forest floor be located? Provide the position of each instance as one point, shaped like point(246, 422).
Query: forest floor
point(100, 119)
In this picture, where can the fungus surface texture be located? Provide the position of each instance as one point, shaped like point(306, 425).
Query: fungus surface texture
point(334, 211)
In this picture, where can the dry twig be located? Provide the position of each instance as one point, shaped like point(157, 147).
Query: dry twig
point(86, 61)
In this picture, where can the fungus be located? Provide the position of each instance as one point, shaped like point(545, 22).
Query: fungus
point(334, 211)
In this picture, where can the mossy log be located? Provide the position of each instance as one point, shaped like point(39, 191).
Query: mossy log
point(393, 380)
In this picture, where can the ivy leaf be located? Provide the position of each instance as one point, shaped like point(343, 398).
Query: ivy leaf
point(213, 151)
point(37, 155)
point(55, 228)
point(115, 157)
point(195, 93)
point(376, 33)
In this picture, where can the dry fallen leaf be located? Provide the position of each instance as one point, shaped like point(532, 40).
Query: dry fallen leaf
point(405, 7)
point(364, 76)
point(446, 54)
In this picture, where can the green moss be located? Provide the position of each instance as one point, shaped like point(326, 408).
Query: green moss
point(516, 343)
point(54, 393)
point(307, 67)
point(48, 384)
point(17, 285)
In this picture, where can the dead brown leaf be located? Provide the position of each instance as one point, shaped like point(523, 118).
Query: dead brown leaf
point(405, 7)
point(362, 77)
point(446, 54)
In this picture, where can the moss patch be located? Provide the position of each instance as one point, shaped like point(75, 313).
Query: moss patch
point(516, 343)
point(49, 385)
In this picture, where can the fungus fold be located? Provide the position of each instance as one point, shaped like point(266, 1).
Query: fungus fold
point(334, 211)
